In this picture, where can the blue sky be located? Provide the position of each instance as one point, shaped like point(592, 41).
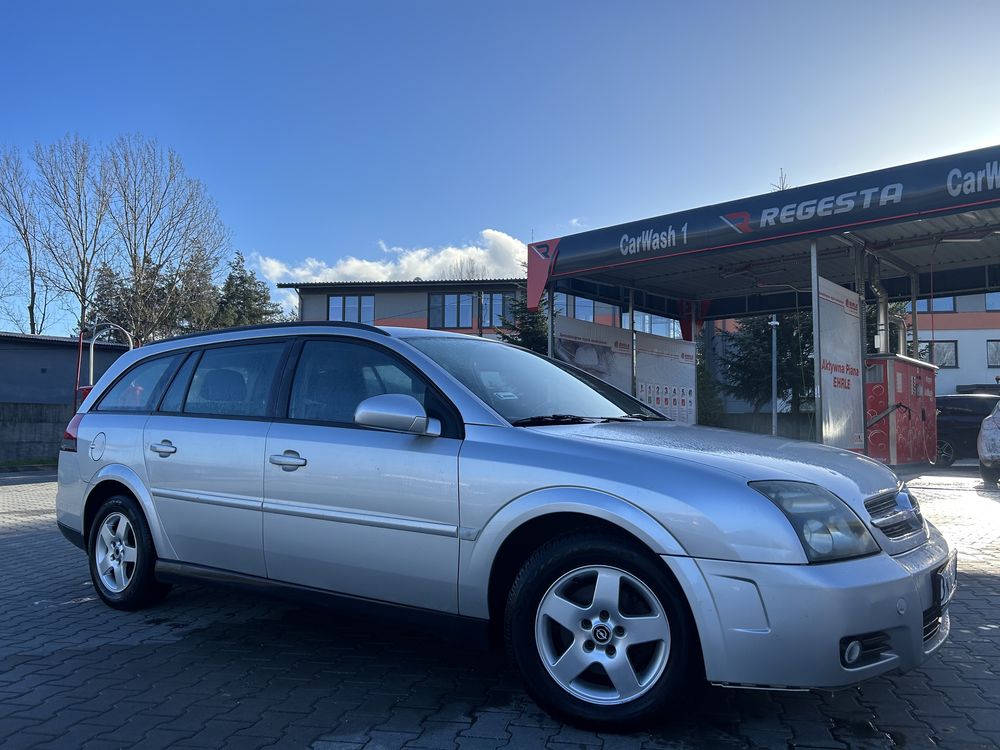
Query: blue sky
point(328, 129)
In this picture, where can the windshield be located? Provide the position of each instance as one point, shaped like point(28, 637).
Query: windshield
point(524, 387)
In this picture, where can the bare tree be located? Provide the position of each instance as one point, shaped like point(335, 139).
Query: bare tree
point(165, 228)
point(465, 269)
point(19, 209)
point(73, 195)
point(782, 183)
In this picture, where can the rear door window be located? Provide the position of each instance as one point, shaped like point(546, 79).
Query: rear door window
point(139, 388)
point(235, 381)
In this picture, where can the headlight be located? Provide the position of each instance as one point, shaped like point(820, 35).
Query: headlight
point(825, 524)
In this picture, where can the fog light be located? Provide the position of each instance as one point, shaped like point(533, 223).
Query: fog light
point(852, 652)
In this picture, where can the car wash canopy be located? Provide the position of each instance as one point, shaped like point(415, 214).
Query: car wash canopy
point(922, 229)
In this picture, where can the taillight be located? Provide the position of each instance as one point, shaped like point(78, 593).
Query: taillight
point(69, 436)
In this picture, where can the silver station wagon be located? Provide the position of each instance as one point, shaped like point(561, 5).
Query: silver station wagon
point(621, 555)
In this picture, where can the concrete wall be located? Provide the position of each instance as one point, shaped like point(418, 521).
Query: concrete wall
point(30, 433)
point(406, 309)
point(312, 306)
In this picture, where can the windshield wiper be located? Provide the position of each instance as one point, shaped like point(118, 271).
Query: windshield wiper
point(539, 419)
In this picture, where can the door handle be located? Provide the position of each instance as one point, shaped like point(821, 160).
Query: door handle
point(164, 448)
point(288, 461)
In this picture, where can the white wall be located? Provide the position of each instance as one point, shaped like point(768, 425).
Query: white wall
point(971, 358)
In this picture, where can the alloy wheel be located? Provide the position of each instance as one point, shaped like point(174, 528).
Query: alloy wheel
point(115, 552)
point(602, 635)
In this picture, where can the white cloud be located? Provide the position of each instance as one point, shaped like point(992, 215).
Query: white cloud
point(496, 255)
point(578, 223)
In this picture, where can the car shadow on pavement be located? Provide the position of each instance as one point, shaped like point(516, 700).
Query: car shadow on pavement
point(312, 674)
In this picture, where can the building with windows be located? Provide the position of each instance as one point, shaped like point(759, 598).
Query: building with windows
point(473, 306)
point(961, 335)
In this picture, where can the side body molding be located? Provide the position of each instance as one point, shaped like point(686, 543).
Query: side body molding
point(476, 555)
point(127, 477)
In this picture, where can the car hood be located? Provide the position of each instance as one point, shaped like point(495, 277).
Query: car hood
point(851, 476)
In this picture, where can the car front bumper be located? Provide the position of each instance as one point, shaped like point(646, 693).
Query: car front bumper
point(785, 626)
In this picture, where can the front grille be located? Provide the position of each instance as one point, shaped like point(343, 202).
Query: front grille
point(932, 622)
point(882, 505)
point(895, 514)
point(896, 530)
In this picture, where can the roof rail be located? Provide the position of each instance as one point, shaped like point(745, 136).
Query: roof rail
point(267, 326)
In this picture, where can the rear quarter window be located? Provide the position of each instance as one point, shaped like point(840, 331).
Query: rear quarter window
point(139, 388)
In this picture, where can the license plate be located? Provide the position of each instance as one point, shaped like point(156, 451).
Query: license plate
point(946, 581)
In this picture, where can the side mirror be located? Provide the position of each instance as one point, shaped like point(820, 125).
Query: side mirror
point(396, 412)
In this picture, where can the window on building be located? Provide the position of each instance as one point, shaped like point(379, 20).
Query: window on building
point(496, 307)
point(352, 308)
point(993, 301)
point(583, 309)
point(657, 325)
point(560, 304)
point(993, 353)
point(938, 304)
point(449, 311)
point(941, 353)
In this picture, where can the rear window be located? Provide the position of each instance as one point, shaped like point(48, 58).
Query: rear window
point(139, 388)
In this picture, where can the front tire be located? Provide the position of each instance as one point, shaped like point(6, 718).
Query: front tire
point(990, 476)
point(600, 632)
point(122, 556)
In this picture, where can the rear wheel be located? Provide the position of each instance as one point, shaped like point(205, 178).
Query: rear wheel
point(122, 556)
point(600, 632)
point(945, 453)
point(990, 476)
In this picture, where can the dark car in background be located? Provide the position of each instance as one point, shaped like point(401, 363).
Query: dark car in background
point(959, 417)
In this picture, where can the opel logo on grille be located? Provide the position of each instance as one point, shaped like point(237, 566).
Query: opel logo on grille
point(909, 507)
point(602, 634)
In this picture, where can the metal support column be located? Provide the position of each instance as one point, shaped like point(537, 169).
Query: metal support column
point(774, 374)
point(914, 327)
point(861, 287)
point(817, 358)
point(631, 325)
point(550, 300)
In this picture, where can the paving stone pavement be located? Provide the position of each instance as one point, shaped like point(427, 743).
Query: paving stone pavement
point(212, 668)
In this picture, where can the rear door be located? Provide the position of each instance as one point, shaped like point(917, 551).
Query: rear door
point(112, 431)
point(204, 453)
point(364, 512)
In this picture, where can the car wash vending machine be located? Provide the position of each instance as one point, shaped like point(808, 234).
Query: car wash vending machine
point(900, 409)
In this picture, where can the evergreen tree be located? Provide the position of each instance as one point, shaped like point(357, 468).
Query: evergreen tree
point(244, 299)
point(746, 360)
point(524, 328)
point(711, 409)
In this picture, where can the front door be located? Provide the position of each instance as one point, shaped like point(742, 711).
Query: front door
point(354, 510)
point(205, 455)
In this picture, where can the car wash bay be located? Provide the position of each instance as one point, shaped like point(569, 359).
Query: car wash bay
point(909, 232)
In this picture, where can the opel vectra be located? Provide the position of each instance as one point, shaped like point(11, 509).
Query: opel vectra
point(620, 554)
